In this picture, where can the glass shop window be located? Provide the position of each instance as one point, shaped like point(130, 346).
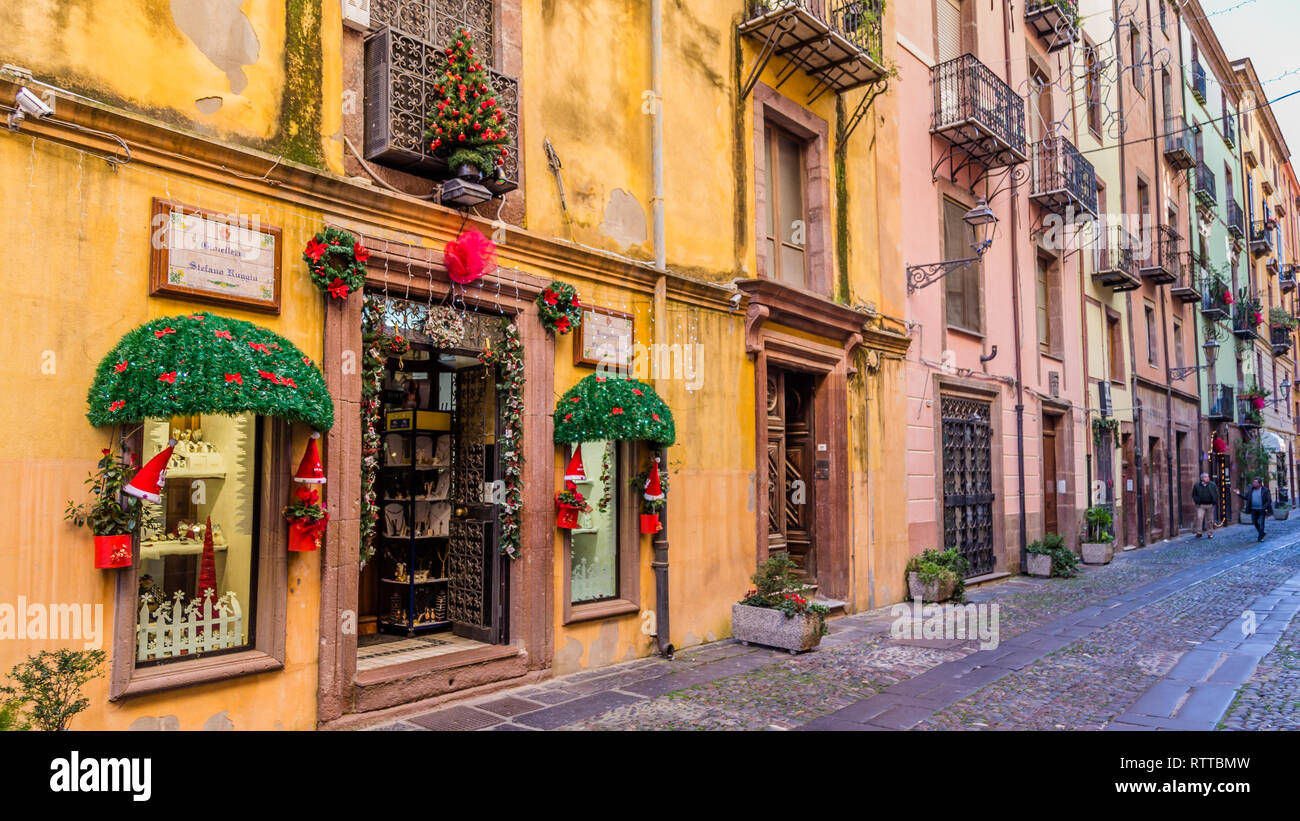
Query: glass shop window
point(594, 564)
point(198, 547)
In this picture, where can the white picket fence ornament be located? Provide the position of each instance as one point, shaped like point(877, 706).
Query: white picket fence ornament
point(181, 629)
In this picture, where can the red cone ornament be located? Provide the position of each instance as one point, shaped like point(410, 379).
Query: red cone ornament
point(310, 470)
point(469, 256)
point(654, 491)
point(208, 564)
point(149, 482)
point(575, 471)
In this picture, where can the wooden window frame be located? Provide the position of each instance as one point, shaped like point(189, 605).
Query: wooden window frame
point(1092, 87)
point(773, 191)
point(627, 598)
point(976, 270)
point(1115, 347)
point(271, 584)
point(1150, 314)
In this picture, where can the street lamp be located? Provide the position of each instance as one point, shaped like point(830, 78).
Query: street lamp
point(1211, 348)
point(1283, 392)
point(981, 219)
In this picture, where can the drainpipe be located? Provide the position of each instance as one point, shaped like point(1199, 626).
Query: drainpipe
point(1015, 307)
point(659, 541)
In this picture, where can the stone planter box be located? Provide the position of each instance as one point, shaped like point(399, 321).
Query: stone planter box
point(1039, 564)
point(772, 628)
point(1097, 552)
point(935, 591)
point(1281, 513)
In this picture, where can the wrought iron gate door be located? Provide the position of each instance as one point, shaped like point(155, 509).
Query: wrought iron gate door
point(475, 593)
point(968, 481)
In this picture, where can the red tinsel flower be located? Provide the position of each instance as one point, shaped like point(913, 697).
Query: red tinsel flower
point(164, 332)
point(568, 416)
point(258, 346)
point(562, 325)
point(104, 451)
point(469, 256)
point(118, 405)
point(275, 380)
point(637, 391)
point(617, 412)
point(237, 378)
point(307, 496)
point(119, 367)
point(315, 249)
point(573, 399)
point(338, 289)
point(222, 334)
point(1227, 297)
point(287, 380)
point(549, 297)
point(169, 378)
point(361, 252)
point(197, 317)
point(654, 416)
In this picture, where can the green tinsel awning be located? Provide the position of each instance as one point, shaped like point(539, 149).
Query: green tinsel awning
point(206, 363)
point(607, 407)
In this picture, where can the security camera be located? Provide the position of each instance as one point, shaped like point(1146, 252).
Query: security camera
point(32, 105)
point(735, 300)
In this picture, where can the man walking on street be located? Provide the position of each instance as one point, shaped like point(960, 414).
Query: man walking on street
point(1206, 496)
point(1259, 504)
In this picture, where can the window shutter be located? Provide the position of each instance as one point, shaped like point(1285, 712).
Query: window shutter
point(948, 19)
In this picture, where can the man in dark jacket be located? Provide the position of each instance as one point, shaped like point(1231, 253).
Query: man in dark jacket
point(1206, 496)
point(1259, 504)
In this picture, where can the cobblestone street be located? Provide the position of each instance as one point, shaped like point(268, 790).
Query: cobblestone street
point(1187, 634)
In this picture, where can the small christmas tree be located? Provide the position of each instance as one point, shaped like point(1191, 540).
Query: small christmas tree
point(468, 126)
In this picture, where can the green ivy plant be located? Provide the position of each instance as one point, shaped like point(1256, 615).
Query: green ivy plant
point(111, 512)
point(1103, 424)
point(1064, 561)
point(49, 687)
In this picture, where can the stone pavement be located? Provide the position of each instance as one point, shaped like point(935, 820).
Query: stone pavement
point(1152, 641)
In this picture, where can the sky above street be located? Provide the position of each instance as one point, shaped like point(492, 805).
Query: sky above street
point(1268, 32)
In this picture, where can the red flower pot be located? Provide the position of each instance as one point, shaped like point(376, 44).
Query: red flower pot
point(112, 552)
point(566, 517)
point(650, 523)
point(305, 535)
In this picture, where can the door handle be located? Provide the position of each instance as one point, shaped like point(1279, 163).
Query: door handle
point(460, 511)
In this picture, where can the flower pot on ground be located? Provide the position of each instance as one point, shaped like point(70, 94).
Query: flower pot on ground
point(1281, 513)
point(1050, 557)
point(1097, 552)
point(937, 575)
point(111, 515)
point(1099, 545)
point(774, 614)
point(1039, 564)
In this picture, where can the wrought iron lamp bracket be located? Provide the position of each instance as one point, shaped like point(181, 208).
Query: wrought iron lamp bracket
point(919, 276)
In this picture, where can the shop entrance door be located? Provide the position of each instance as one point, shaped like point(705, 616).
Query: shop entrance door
point(791, 504)
point(1050, 524)
point(476, 588)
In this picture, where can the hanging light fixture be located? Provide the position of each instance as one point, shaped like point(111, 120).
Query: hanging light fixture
point(981, 219)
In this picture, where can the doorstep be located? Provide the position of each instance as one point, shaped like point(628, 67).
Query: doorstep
point(975, 581)
point(423, 679)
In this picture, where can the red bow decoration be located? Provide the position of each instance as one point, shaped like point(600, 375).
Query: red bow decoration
point(617, 412)
point(116, 406)
point(307, 496)
point(275, 380)
point(237, 378)
point(169, 378)
point(223, 334)
point(338, 289)
point(119, 367)
point(258, 346)
point(164, 332)
point(361, 252)
point(288, 381)
point(315, 249)
point(637, 391)
point(469, 256)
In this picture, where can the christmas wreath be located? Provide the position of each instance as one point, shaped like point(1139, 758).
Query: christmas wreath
point(559, 307)
point(337, 262)
point(445, 327)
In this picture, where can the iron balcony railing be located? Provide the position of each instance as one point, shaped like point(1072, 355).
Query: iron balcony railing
point(1190, 270)
point(1230, 129)
point(1061, 178)
point(1222, 406)
point(827, 38)
point(1055, 21)
point(1198, 82)
point(1261, 237)
point(1205, 191)
point(1114, 263)
point(1215, 298)
point(1286, 279)
point(1246, 318)
point(1280, 336)
point(1248, 416)
point(1164, 258)
point(975, 110)
point(1236, 219)
point(1178, 144)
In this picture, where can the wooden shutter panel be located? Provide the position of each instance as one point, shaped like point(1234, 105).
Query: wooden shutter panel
point(948, 19)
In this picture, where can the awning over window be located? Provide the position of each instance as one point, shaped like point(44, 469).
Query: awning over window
point(206, 363)
point(604, 407)
point(1271, 441)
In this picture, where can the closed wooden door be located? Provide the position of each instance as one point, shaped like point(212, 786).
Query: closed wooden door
point(1050, 523)
point(790, 488)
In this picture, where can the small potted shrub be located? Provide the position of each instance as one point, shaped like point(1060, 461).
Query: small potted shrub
point(774, 613)
point(1099, 547)
point(45, 690)
point(936, 576)
point(569, 503)
point(1050, 557)
point(111, 515)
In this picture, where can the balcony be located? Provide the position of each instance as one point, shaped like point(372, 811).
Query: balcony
point(1246, 318)
point(1286, 279)
point(1222, 408)
point(400, 73)
point(1113, 262)
point(1178, 145)
point(1280, 336)
point(1248, 154)
point(1272, 266)
point(1062, 181)
point(1266, 185)
point(1261, 238)
point(1198, 82)
point(838, 43)
point(1190, 272)
point(1215, 299)
point(1164, 263)
point(1230, 129)
point(1236, 219)
point(1248, 416)
point(1054, 21)
point(978, 113)
point(1204, 188)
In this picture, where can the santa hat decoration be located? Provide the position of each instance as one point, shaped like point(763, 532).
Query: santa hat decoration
point(149, 482)
point(309, 470)
point(575, 471)
point(654, 491)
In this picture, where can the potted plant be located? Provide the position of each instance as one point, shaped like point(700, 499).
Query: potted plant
point(653, 487)
point(1281, 511)
point(569, 503)
point(49, 686)
point(936, 576)
point(774, 613)
point(1099, 547)
point(1050, 557)
point(307, 520)
point(112, 516)
point(468, 126)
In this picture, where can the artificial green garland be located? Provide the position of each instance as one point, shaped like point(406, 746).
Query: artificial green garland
point(207, 363)
point(607, 407)
point(372, 381)
point(337, 262)
point(558, 307)
point(509, 360)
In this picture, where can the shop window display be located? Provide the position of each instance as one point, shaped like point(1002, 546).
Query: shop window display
point(198, 547)
point(593, 574)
